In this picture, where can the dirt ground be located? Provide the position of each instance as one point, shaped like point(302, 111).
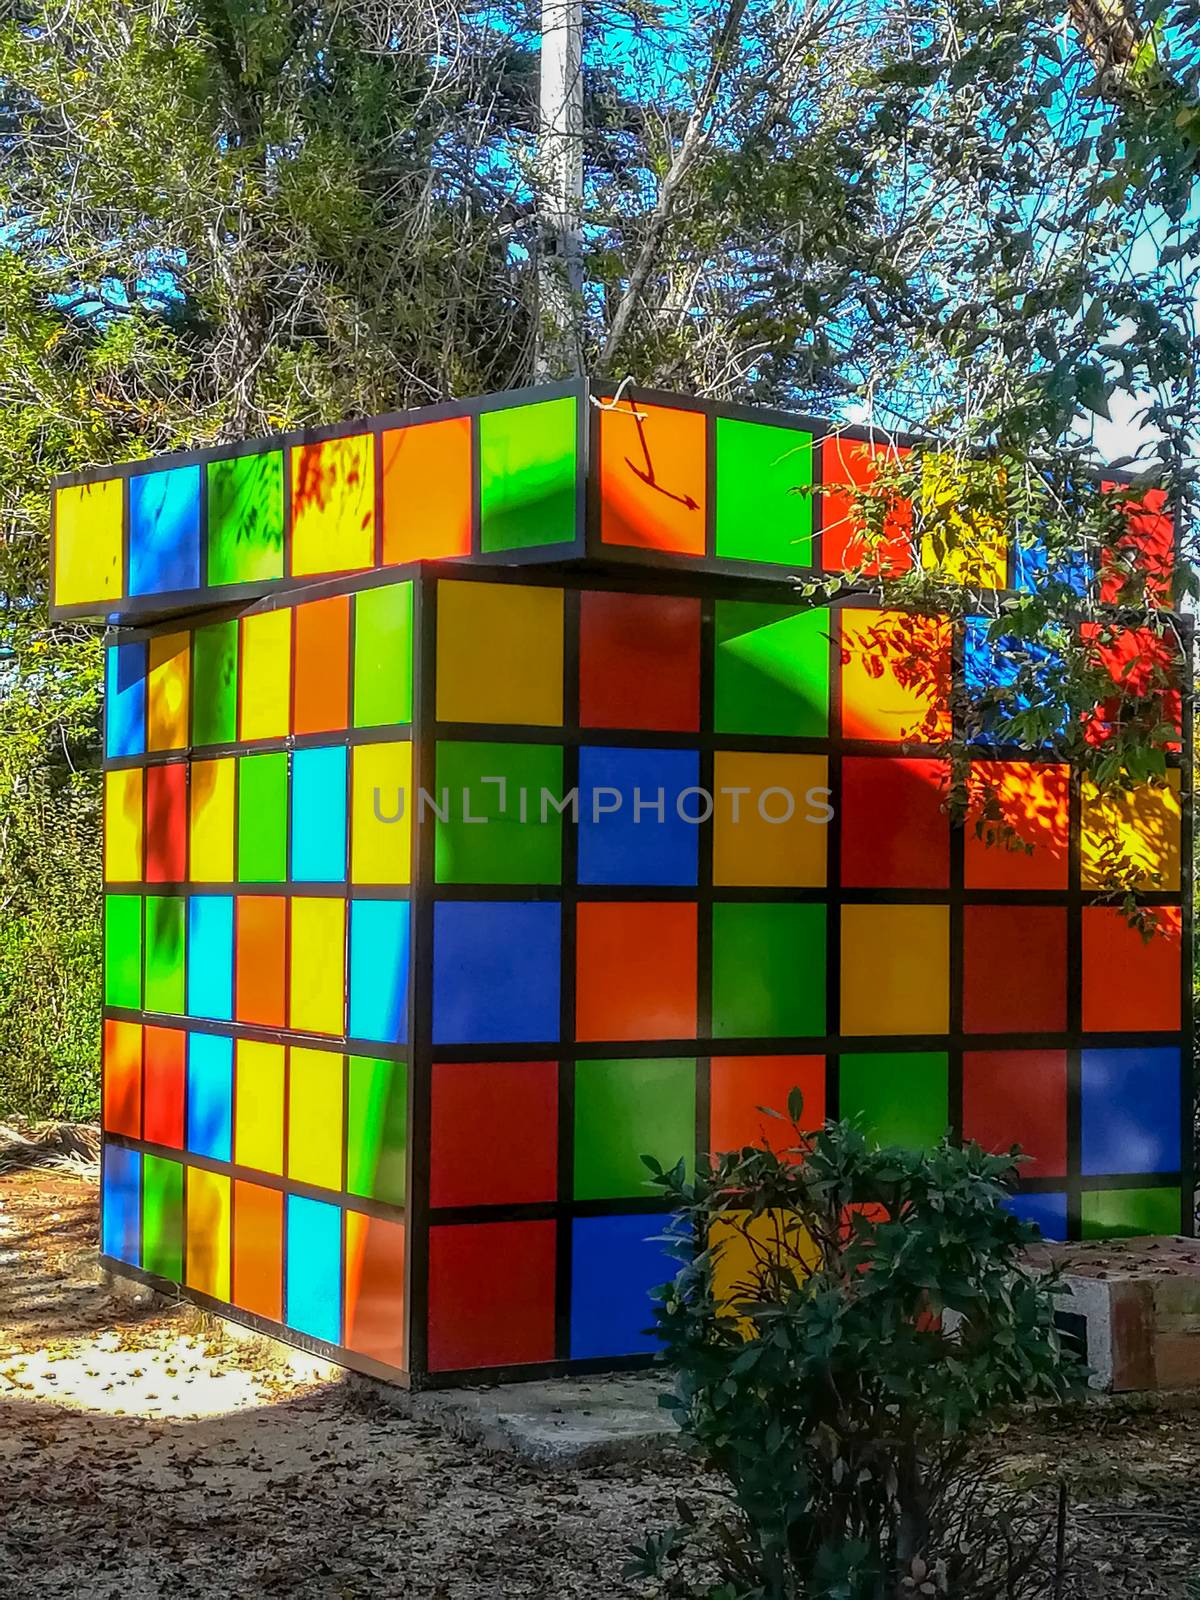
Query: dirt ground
point(144, 1453)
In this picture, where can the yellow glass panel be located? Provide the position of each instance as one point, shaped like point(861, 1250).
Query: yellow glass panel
point(318, 976)
point(333, 505)
point(770, 819)
point(168, 689)
point(747, 1249)
point(381, 789)
point(967, 542)
point(266, 667)
point(258, 1106)
point(212, 821)
point(208, 1216)
point(1130, 838)
point(499, 654)
point(87, 543)
point(123, 836)
point(895, 969)
point(315, 1118)
point(895, 676)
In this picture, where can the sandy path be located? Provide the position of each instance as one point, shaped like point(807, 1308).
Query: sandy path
point(144, 1454)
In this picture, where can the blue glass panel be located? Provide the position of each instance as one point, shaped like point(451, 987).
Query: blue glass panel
point(1031, 561)
point(379, 931)
point(1030, 569)
point(313, 1301)
point(164, 531)
point(495, 972)
point(125, 699)
point(1131, 1111)
point(615, 1262)
point(210, 957)
point(120, 1209)
point(630, 829)
point(210, 1096)
point(319, 815)
point(1048, 1212)
point(991, 664)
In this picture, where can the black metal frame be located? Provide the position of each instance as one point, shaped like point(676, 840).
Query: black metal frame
point(421, 1054)
point(586, 546)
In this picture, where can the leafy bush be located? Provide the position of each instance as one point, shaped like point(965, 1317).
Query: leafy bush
point(853, 1318)
point(50, 948)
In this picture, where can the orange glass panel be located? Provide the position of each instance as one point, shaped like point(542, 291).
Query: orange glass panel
point(652, 478)
point(744, 1090)
point(261, 959)
point(636, 970)
point(1014, 804)
point(123, 1078)
point(375, 1288)
point(895, 676)
point(427, 491)
point(258, 1250)
point(322, 666)
point(1131, 984)
point(848, 464)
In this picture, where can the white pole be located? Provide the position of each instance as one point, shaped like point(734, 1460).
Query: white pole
point(560, 196)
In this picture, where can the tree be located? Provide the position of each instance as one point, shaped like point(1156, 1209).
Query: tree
point(226, 217)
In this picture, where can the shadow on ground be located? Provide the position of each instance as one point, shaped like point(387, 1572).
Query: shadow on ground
point(143, 1452)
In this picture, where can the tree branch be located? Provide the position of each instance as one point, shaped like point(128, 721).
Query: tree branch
point(695, 138)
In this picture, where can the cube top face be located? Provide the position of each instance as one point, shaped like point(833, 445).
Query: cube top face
point(559, 475)
point(500, 478)
point(437, 898)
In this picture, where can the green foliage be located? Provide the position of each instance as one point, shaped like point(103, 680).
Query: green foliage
point(855, 1317)
point(216, 219)
point(219, 218)
point(49, 946)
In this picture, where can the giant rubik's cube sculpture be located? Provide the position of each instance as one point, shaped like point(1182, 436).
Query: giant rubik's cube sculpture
point(485, 810)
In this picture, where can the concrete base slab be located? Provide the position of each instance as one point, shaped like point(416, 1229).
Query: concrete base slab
point(560, 1422)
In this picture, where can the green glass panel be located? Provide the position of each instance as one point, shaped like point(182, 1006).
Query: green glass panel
point(162, 1217)
point(627, 1109)
point(1127, 1213)
point(214, 683)
point(165, 915)
point(245, 519)
point(512, 843)
point(902, 1098)
point(383, 655)
point(262, 818)
point(123, 950)
point(527, 475)
point(768, 970)
point(377, 1129)
point(762, 512)
point(771, 669)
